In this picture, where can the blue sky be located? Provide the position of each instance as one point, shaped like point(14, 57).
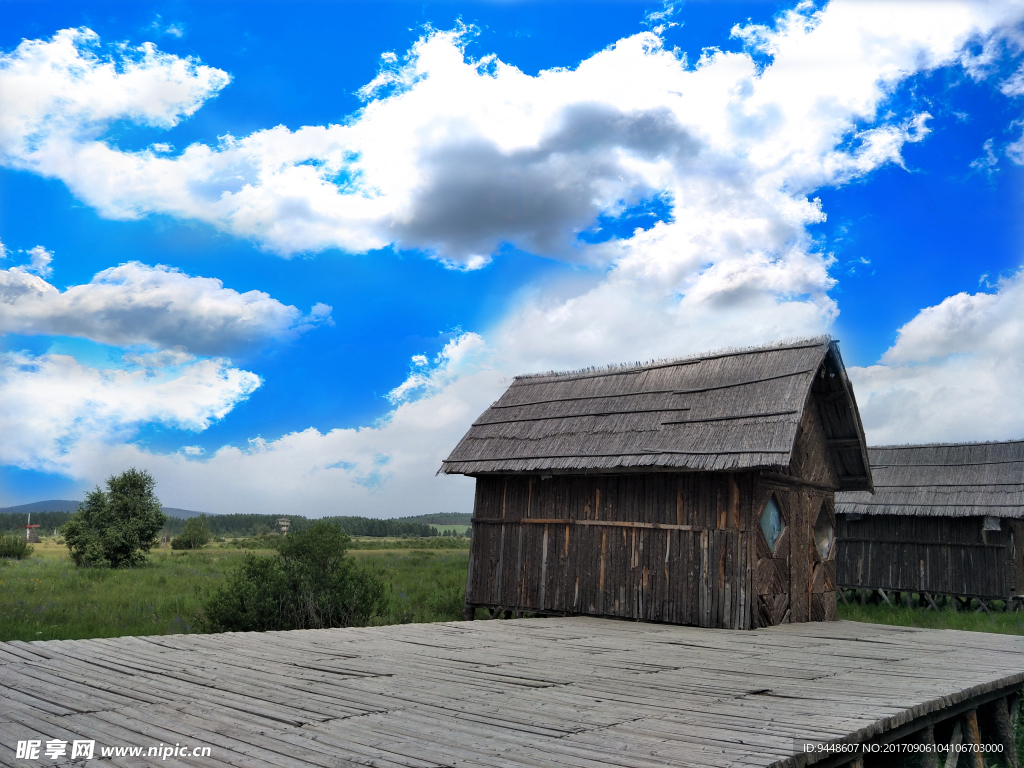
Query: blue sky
point(529, 186)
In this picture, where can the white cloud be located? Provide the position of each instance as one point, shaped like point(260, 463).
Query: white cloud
point(39, 261)
point(379, 470)
point(175, 28)
point(953, 374)
point(1013, 86)
point(137, 304)
point(1015, 150)
point(988, 163)
point(459, 156)
point(59, 95)
point(54, 408)
point(461, 355)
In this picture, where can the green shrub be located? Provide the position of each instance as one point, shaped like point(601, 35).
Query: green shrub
point(14, 547)
point(195, 536)
point(118, 527)
point(309, 584)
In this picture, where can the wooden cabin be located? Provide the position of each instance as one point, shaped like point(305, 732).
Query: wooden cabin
point(692, 491)
point(944, 520)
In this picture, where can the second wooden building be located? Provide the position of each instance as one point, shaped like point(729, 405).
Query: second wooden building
point(945, 519)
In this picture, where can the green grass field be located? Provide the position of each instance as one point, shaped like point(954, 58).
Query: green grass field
point(999, 621)
point(364, 543)
point(45, 597)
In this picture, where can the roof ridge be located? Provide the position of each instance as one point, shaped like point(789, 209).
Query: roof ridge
point(967, 444)
point(623, 368)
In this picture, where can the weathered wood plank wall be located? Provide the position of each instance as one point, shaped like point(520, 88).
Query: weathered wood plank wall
point(674, 547)
point(939, 555)
point(660, 546)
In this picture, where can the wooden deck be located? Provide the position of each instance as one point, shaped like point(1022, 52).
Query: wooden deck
point(569, 693)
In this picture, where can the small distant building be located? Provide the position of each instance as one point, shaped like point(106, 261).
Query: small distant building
point(31, 531)
point(693, 491)
point(283, 524)
point(945, 519)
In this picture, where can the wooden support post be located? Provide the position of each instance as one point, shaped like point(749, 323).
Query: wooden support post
point(972, 736)
point(931, 603)
point(468, 612)
point(953, 754)
point(982, 606)
point(1005, 732)
point(885, 597)
point(842, 596)
point(864, 596)
point(930, 759)
point(907, 599)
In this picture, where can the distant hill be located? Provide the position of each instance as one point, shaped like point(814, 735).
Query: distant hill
point(69, 505)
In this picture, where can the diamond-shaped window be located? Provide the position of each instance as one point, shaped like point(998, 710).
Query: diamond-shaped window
point(824, 535)
point(772, 522)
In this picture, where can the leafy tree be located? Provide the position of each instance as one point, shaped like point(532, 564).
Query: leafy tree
point(309, 584)
point(195, 536)
point(116, 527)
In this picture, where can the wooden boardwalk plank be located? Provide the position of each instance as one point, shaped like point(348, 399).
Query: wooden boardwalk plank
point(567, 693)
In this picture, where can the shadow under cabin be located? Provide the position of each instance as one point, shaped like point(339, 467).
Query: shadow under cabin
point(694, 491)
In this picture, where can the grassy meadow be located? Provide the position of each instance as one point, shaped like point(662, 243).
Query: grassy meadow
point(1002, 622)
point(45, 597)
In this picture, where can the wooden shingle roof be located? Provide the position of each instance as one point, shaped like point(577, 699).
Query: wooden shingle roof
point(729, 410)
point(943, 480)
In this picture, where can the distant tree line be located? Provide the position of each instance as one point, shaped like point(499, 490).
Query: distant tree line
point(442, 518)
point(47, 521)
point(255, 525)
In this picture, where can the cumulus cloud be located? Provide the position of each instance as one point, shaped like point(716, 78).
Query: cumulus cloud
point(378, 470)
point(460, 157)
point(56, 409)
point(136, 304)
point(53, 407)
point(953, 374)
